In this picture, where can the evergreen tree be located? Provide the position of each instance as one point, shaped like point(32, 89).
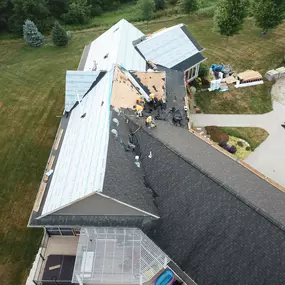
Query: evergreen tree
point(229, 16)
point(146, 9)
point(59, 36)
point(31, 34)
point(188, 6)
point(268, 14)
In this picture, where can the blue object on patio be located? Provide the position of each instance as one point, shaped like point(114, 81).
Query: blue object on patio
point(165, 278)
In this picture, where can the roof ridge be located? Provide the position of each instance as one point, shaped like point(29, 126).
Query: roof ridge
point(213, 178)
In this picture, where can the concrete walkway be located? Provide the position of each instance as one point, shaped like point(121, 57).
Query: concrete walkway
point(269, 157)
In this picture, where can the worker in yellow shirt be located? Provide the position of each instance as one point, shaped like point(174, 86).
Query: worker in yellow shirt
point(138, 108)
point(149, 122)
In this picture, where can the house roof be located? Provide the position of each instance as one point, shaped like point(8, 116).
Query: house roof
point(77, 84)
point(219, 222)
point(170, 47)
point(115, 46)
point(83, 151)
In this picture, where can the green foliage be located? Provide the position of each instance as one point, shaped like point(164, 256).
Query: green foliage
point(6, 8)
point(31, 34)
point(172, 2)
point(188, 6)
point(79, 12)
point(159, 4)
point(57, 7)
point(268, 14)
point(229, 16)
point(217, 134)
point(203, 70)
point(59, 36)
point(146, 9)
point(69, 35)
point(35, 10)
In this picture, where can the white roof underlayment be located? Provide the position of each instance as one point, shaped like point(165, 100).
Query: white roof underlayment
point(115, 46)
point(116, 256)
point(168, 47)
point(77, 83)
point(81, 163)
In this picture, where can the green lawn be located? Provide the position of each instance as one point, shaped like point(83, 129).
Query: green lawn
point(32, 95)
point(254, 136)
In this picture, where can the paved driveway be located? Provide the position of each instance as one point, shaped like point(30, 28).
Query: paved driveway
point(269, 157)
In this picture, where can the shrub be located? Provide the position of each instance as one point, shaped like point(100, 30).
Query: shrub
point(188, 6)
point(31, 34)
point(217, 134)
point(78, 13)
point(240, 143)
point(69, 35)
point(232, 149)
point(203, 70)
point(59, 35)
point(172, 2)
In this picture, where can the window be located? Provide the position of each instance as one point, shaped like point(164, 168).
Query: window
point(54, 231)
point(66, 231)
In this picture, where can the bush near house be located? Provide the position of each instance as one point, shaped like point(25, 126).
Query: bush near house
point(59, 35)
point(31, 34)
point(217, 134)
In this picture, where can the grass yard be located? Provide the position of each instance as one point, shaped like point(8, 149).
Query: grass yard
point(32, 95)
point(254, 136)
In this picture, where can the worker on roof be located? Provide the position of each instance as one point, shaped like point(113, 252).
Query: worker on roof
point(149, 122)
point(139, 109)
point(154, 100)
point(140, 100)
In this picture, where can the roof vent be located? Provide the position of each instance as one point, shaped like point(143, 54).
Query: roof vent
point(117, 111)
point(137, 161)
point(114, 132)
point(116, 121)
point(116, 30)
point(83, 115)
point(150, 155)
point(106, 56)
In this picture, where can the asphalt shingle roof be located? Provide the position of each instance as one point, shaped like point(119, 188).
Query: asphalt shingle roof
point(207, 227)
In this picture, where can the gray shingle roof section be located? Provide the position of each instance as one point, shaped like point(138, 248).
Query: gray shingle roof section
point(214, 236)
point(123, 180)
point(242, 182)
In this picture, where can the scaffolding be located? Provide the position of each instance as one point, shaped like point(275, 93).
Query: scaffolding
point(116, 256)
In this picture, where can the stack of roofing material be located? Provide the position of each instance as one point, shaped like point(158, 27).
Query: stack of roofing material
point(272, 75)
point(248, 78)
point(281, 72)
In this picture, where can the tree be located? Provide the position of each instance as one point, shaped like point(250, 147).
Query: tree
point(188, 6)
point(79, 12)
point(268, 14)
point(31, 34)
point(6, 11)
point(146, 9)
point(159, 4)
point(59, 36)
point(35, 10)
point(57, 7)
point(229, 16)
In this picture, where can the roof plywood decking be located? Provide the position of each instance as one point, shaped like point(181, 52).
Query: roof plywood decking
point(154, 81)
point(124, 94)
point(80, 166)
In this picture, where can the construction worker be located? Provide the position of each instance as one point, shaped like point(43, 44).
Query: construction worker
point(149, 122)
point(154, 100)
point(139, 109)
point(140, 100)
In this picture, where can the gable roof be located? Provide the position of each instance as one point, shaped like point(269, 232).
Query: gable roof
point(115, 46)
point(217, 222)
point(83, 151)
point(170, 47)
